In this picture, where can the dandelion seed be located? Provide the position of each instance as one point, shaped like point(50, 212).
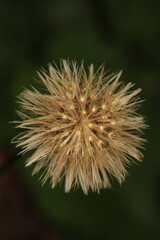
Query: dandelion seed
point(64, 117)
point(82, 99)
point(103, 106)
point(64, 127)
point(90, 138)
point(93, 109)
point(101, 128)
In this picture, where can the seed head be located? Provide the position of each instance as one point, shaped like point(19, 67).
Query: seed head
point(84, 128)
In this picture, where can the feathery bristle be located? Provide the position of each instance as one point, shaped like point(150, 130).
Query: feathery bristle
point(84, 129)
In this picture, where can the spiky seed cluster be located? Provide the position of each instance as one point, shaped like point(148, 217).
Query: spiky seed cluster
point(85, 128)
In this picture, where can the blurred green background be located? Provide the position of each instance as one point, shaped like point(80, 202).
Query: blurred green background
point(123, 34)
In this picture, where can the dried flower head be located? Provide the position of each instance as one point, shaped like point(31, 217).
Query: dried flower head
point(84, 128)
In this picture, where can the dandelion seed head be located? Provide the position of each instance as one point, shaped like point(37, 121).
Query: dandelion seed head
point(84, 129)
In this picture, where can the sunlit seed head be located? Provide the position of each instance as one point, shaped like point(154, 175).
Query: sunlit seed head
point(76, 129)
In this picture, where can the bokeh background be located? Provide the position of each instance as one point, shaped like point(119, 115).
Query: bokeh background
point(123, 34)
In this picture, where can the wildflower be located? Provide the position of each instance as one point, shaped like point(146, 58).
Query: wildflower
point(84, 128)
